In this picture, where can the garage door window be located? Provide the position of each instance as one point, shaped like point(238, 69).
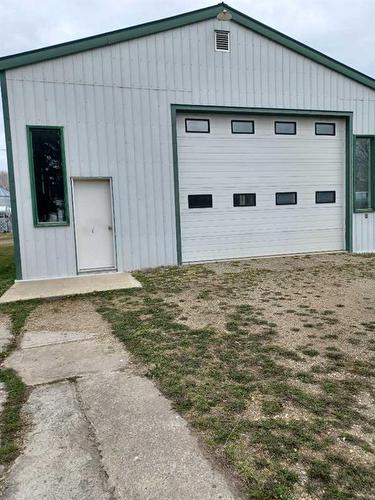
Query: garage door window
point(285, 128)
point(363, 173)
point(286, 198)
point(196, 125)
point(325, 129)
point(242, 127)
point(325, 197)
point(200, 200)
point(244, 200)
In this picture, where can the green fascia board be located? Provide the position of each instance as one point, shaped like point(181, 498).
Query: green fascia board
point(12, 186)
point(109, 38)
point(153, 27)
point(300, 48)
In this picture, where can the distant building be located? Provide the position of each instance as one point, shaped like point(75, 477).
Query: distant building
point(4, 197)
point(5, 211)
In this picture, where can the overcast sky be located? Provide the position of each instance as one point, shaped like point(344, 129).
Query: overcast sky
point(342, 29)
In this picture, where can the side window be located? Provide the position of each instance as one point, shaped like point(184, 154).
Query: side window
point(363, 173)
point(48, 176)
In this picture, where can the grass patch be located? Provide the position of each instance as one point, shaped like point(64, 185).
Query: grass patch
point(7, 265)
point(11, 423)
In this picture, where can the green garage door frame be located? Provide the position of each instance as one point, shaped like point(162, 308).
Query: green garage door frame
point(347, 115)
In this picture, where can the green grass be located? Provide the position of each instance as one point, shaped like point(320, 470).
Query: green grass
point(7, 265)
point(11, 422)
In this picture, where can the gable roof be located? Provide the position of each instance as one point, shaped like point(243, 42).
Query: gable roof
point(150, 28)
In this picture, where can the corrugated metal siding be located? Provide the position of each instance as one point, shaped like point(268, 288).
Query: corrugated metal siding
point(114, 103)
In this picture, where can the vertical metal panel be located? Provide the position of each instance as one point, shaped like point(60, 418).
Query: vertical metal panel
point(114, 104)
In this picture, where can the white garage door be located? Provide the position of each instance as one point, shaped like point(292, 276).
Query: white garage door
point(255, 185)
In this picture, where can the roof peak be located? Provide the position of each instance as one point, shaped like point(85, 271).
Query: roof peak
point(177, 21)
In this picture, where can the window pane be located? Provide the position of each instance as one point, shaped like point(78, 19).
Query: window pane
point(325, 197)
point(200, 200)
point(362, 176)
point(196, 125)
point(325, 129)
point(242, 127)
point(244, 200)
point(286, 198)
point(48, 174)
point(288, 128)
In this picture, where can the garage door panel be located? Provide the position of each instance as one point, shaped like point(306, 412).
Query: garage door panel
point(259, 244)
point(222, 163)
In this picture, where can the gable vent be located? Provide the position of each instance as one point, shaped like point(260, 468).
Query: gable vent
point(222, 41)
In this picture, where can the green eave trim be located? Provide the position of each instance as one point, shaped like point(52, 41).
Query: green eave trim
point(300, 48)
point(12, 187)
point(97, 41)
point(94, 42)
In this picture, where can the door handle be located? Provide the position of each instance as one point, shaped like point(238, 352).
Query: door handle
point(110, 228)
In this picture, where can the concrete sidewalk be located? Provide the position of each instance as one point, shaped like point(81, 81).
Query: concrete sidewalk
point(98, 430)
point(60, 287)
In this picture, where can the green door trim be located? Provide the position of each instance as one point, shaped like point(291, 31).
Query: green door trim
point(347, 115)
point(12, 186)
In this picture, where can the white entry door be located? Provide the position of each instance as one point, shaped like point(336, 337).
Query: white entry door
point(94, 224)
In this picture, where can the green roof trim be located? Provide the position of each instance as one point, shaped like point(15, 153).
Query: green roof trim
point(153, 27)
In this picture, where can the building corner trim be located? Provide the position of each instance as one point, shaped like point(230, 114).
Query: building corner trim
point(12, 187)
point(349, 185)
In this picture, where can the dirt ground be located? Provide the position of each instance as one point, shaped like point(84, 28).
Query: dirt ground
point(271, 360)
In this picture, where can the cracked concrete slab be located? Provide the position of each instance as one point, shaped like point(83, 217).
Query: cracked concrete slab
point(60, 287)
point(110, 434)
point(41, 365)
point(60, 460)
point(44, 338)
point(5, 333)
point(147, 449)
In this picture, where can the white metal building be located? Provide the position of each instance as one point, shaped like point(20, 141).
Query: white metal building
point(199, 137)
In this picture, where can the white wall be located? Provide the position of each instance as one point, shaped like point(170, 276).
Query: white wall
point(114, 103)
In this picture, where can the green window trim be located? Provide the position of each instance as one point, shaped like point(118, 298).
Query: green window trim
point(36, 221)
point(371, 207)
